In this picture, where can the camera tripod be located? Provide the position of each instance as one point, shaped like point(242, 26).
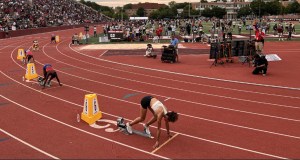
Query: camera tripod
point(217, 56)
point(250, 51)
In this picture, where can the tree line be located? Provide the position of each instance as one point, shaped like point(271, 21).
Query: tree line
point(256, 8)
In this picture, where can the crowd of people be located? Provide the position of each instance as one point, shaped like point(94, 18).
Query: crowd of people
point(23, 14)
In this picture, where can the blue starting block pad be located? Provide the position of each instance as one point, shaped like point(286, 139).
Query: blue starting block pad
point(122, 126)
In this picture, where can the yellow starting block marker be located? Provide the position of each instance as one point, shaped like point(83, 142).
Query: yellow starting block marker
point(21, 54)
point(31, 72)
point(57, 39)
point(91, 112)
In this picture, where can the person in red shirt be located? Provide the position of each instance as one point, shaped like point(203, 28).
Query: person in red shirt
point(29, 56)
point(158, 32)
point(49, 72)
point(259, 38)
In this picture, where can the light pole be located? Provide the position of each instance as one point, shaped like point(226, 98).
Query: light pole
point(200, 8)
point(122, 15)
point(189, 10)
point(259, 10)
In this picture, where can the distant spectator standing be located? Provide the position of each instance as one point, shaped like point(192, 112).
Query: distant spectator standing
point(280, 31)
point(174, 42)
point(95, 31)
point(259, 38)
point(275, 29)
point(290, 30)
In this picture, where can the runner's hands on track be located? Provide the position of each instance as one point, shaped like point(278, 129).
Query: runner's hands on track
point(156, 144)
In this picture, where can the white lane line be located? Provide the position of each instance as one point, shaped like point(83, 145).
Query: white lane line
point(110, 140)
point(190, 75)
point(81, 130)
point(99, 55)
point(199, 84)
point(128, 119)
point(280, 134)
point(27, 144)
point(167, 99)
point(215, 142)
point(182, 100)
point(194, 137)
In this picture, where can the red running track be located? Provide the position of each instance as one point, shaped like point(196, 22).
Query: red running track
point(225, 112)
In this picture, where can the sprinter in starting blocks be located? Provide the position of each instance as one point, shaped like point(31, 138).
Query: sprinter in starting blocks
point(41, 82)
point(122, 126)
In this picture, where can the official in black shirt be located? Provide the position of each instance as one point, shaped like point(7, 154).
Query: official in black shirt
point(260, 64)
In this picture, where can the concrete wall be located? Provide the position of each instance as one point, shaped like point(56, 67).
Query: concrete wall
point(37, 30)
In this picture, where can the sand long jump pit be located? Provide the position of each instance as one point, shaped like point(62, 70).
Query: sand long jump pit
point(138, 49)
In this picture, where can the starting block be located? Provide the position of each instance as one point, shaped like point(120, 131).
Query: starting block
point(122, 126)
point(41, 82)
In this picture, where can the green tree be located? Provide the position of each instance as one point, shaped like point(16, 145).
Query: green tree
point(108, 11)
point(293, 8)
point(206, 12)
point(204, 1)
point(181, 5)
point(172, 4)
point(154, 15)
point(258, 7)
point(244, 11)
point(140, 12)
point(218, 12)
point(274, 7)
point(127, 6)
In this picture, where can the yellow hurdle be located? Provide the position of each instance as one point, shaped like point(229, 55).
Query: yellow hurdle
point(57, 39)
point(91, 112)
point(21, 54)
point(31, 72)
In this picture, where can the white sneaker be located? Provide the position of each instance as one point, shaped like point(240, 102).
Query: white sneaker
point(128, 128)
point(147, 130)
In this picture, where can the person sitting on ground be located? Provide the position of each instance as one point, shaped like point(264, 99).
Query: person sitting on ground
point(260, 64)
point(174, 42)
point(149, 50)
point(29, 56)
point(159, 112)
point(49, 72)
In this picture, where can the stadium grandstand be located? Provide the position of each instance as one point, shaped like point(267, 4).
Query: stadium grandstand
point(23, 14)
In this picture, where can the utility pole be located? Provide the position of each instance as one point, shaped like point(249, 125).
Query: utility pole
point(200, 8)
point(259, 10)
point(122, 14)
point(189, 10)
